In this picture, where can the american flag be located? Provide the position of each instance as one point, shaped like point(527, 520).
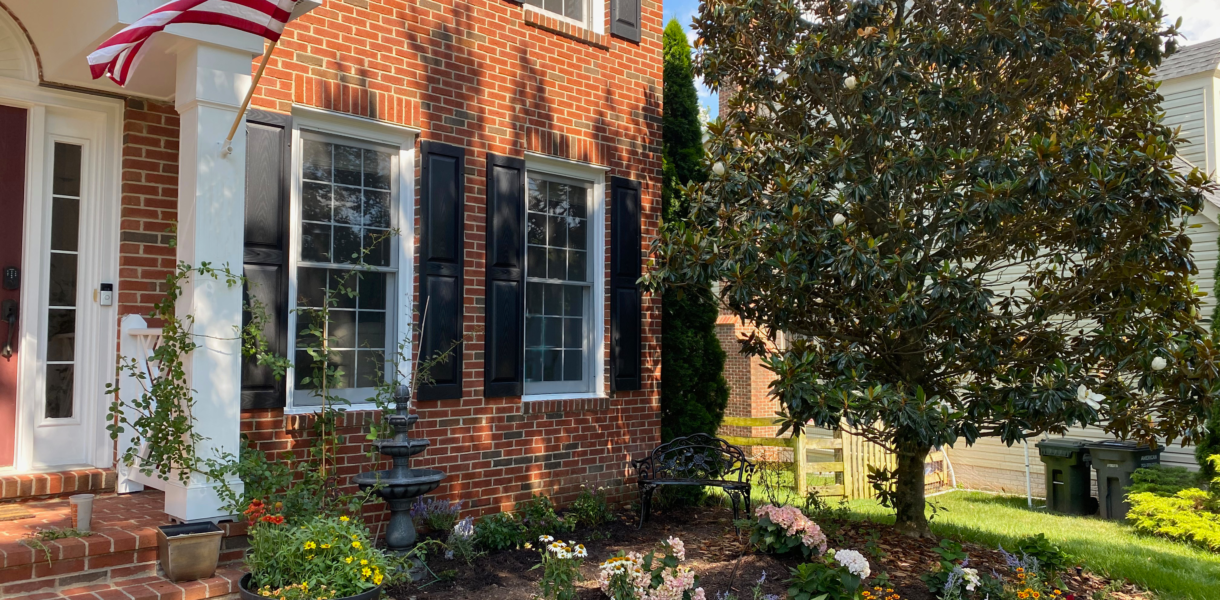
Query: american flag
point(117, 57)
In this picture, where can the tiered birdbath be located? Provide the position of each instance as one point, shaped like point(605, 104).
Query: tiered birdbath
point(400, 485)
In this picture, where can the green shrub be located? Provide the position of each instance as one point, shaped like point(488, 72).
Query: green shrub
point(591, 508)
point(1051, 560)
point(1188, 515)
point(537, 518)
point(1162, 480)
point(1208, 444)
point(951, 557)
point(500, 531)
point(824, 579)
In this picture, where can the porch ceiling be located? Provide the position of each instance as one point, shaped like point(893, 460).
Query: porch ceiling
point(65, 34)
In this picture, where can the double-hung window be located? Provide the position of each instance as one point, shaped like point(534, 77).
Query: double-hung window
point(347, 216)
point(577, 12)
point(562, 321)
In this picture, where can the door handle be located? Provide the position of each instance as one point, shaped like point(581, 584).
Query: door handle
point(8, 314)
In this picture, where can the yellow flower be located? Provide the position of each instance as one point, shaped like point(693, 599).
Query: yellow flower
point(364, 562)
point(326, 545)
point(344, 518)
point(377, 578)
point(356, 545)
point(366, 572)
point(349, 559)
point(310, 557)
point(310, 545)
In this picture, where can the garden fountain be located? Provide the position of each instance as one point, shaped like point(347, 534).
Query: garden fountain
point(400, 485)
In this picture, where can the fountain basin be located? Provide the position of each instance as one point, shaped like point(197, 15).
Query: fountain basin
point(395, 448)
point(401, 484)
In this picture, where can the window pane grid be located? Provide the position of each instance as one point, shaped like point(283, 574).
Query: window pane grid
point(558, 288)
point(60, 359)
point(346, 217)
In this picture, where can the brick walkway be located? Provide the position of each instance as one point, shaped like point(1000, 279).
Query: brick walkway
point(117, 562)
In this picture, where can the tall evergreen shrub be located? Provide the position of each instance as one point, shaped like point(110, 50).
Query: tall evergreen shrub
point(694, 392)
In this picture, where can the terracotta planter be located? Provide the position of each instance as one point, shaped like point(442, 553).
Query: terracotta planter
point(247, 594)
point(190, 551)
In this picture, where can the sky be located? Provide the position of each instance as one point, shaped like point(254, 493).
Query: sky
point(1200, 22)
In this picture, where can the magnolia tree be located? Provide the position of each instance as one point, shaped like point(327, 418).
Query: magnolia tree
point(965, 216)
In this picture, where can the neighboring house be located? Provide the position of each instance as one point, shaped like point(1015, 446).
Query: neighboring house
point(516, 147)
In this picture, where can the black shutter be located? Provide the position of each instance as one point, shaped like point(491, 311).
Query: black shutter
point(504, 343)
point(442, 194)
point(625, 19)
point(268, 139)
point(625, 260)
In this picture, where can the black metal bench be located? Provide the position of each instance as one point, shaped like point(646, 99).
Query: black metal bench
point(698, 459)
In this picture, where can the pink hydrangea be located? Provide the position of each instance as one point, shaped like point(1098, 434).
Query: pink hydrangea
point(794, 523)
point(675, 582)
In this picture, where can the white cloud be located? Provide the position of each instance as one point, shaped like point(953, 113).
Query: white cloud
point(1200, 18)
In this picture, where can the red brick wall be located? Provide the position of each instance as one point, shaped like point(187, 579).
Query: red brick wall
point(149, 203)
point(492, 77)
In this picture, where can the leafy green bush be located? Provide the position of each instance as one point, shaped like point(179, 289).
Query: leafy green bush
point(1162, 480)
point(1208, 444)
point(1051, 559)
point(500, 531)
point(833, 578)
point(537, 518)
point(591, 508)
point(951, 557)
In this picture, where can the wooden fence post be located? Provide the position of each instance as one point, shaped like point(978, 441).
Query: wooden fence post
point(799, 456)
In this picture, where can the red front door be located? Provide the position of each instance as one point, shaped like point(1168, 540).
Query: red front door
point(12, 205)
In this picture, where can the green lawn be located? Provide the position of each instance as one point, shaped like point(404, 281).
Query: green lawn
point(1174, 571)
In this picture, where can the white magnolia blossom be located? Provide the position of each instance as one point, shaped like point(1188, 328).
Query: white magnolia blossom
point(971, 577)
point(1159, 364)
point(1093, 399)
point(854, 561)
point(765, 111)
point(839, 219)
point(781, 76)
point(718, 169)
point(850, 82)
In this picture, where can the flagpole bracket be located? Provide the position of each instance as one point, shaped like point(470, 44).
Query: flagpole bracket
point(226, 148)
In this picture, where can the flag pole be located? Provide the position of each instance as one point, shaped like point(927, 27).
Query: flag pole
point(227, 147)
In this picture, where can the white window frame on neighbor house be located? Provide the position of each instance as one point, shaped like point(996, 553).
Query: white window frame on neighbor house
point(596, 306)
point(595, 13)
point(311, 123)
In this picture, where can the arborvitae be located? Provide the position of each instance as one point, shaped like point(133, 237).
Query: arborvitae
point(693, 389)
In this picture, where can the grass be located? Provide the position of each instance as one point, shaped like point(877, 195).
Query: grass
point(1174, 571)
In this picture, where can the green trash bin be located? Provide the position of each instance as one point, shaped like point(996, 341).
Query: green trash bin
point(1068, 479)
point(1115, 461)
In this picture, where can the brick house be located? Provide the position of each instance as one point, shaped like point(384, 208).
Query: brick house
point(514, 147)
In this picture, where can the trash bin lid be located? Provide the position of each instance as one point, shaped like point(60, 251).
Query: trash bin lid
point(1061, 447)
point(1127, 445)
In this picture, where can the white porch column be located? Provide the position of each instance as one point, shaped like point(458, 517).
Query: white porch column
point(211, 83)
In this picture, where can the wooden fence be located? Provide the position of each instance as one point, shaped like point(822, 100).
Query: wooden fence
point(848, 458)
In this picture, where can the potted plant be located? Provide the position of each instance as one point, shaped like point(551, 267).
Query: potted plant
point(320, 557)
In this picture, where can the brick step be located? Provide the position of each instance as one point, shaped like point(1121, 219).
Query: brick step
point(223, 585)
point(52, 485)
point(103, 560)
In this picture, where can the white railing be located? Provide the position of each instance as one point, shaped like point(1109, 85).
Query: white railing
point(137, 342)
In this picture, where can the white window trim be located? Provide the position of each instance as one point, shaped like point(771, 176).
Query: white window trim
point(594, 21)
point(595, 174)
point(358, 129)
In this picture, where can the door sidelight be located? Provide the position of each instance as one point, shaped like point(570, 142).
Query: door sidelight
point(8, 314)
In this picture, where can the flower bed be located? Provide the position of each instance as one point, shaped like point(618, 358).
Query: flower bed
point(724, 562)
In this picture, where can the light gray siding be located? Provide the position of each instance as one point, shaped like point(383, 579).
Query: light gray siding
point(1185, 109)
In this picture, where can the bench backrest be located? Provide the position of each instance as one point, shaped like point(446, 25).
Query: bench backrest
point(698, 456)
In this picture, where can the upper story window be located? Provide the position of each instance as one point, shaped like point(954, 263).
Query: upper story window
point(578, 12)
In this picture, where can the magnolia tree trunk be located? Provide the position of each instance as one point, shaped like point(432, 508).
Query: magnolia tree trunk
point(909, 491)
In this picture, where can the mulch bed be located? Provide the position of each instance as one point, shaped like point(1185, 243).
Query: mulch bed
point(719, 556)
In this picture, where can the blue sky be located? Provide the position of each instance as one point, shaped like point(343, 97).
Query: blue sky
point(1200, 22)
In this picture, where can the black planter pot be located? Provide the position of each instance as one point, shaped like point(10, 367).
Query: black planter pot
point(247, 594)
